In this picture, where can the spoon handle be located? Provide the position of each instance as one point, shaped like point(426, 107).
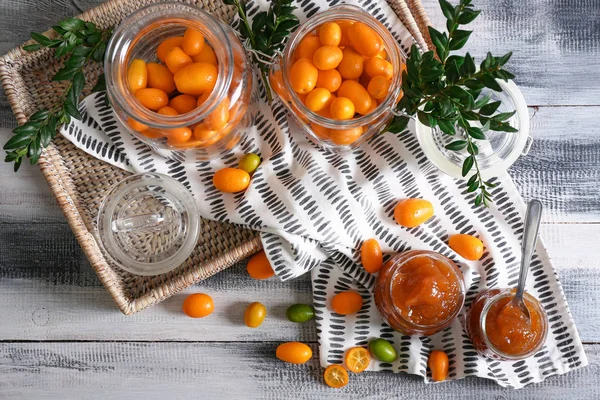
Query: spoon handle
point(533, 216)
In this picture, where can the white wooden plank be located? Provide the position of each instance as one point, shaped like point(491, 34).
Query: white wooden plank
point(563, 166)
point(233, 371)
point(53, 294)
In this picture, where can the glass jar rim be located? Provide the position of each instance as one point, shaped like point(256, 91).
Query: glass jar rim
point(483, 319)
point(110, 206)
point(455, 271)
point(117, 59)
point(344, 12)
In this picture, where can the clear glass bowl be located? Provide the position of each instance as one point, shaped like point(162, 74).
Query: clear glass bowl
point(138, 36)
point(371, 123)
point(497, 153)
point(148, 224)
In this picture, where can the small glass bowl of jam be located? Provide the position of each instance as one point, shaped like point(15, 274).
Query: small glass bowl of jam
point(419, 292)
point(503, 333)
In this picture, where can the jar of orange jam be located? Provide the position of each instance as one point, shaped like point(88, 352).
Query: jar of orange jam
point(503, 332)
point(419, 292)
point(340, 76)
point(178, 79)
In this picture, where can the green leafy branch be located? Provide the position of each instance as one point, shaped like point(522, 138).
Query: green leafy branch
point(81, 42)
point(445, 92)
point(265, 37)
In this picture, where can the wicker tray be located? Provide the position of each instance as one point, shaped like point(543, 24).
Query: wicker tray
point(79, 182)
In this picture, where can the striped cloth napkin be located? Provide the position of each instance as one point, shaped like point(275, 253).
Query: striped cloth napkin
point(315, 208)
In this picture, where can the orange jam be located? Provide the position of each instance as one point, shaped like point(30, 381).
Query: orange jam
point(419, 292)
point(507, 334)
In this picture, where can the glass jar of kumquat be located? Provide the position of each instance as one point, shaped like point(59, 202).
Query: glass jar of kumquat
point(503, 332)
point(419, 292)
point(178, 79)
point(339, 76)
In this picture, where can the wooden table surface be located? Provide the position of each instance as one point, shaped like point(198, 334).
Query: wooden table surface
point(62, 337)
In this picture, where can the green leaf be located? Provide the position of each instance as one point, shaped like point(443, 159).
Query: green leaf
point(472, 179)
point(457, 145)
point(33, 47)
point(75, 61)
point(502, 127)
point(468, 16)
point(488, 62)
point(447, 10)
point(40, 115)
point(100, 84)
point(491, 83)
point(473, 149)
point(17, 142)
point(72, 110)
point(259, 22)
point(61, 50)
point(78, 84)
point(504, 59)
point(473, 186)
point(94, 38)
point(98, 52)
point(459, 39)
point(82, 51)
point(467, 165)
point(490, 108)
point(476, 133)
point(18, 162)
point(447, 127)
point(452, 73)
point(503, 116)
point(481, 102)
point(457, 92)
point(468, 66)
point(35, 150)
point(66, 73)
point(440, 41)
point(398, 124)
point(504, 74)
point(72, 24)
point(41, 39)
point(424, 118)
point(478, 199)
point(469, 115)
point(474, 84)
point(28, 128)
point(46, 134)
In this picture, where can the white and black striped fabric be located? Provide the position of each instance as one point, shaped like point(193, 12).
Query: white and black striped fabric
point(315, 208)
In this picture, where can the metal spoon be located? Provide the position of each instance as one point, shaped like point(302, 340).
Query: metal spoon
point(533, 216)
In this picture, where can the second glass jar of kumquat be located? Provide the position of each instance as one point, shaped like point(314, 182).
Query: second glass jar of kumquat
point(179, 80)
point(340, 76)
point(419, 292)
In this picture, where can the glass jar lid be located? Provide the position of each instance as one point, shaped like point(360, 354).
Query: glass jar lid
point(148, 224)
point(498, 152)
